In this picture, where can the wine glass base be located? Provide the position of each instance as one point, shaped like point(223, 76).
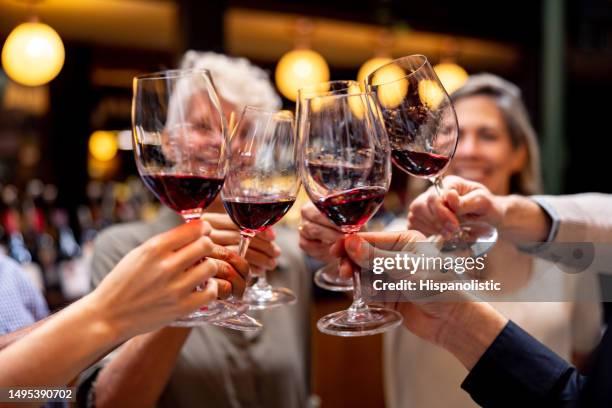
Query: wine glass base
point(474, 239)
point(333, 283)
point(212, 313)
point(241, 322)
point(372, 320)
point(258, 299)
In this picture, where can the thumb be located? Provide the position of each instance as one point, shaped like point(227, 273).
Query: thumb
point(361, 252)
point(474, 204)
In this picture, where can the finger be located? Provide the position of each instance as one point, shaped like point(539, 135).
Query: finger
point(432, 205)
point(460, 185)
point(419, 218)
point(197, 299)
point(260, 260)
point(178, 237)
point(447, 220)
point(267, 235)
point(311, 213)
point(337, 249)
point(452, 200)
point(224, 288)
point(219, 221)
point(227, 273)
point(347, 268)
point(199, 274)
point(314, 249)
point(190, 254)
point(227, 237)
point(314, 231)
point(361, 252)
point(266, 247)
point(474, 203)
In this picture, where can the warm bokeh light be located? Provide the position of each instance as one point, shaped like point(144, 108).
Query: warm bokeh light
point(431, 93)
point(393, 85)
point(451, 75)
point(369, 66)
point(33, 54)
point(299, 68)
point(103, 145)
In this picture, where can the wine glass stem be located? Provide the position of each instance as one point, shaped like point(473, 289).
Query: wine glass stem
point(437, 183)
point(245, 240)
point(261, 283)
point(358, 305)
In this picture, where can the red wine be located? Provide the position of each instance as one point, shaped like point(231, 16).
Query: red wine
point(254, 216)
point(420, 164)
point(352, 208)
point(183, 192)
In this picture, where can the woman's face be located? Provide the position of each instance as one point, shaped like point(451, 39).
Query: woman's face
point(485, 153)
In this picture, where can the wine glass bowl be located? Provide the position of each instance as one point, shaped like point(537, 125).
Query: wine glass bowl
point(262, 184)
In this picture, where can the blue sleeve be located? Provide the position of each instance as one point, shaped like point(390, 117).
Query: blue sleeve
point(519, 371)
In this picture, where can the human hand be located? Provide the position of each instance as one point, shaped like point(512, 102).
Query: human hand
point(317, 234)
point(461, 199)
point(262, 251)
point(155, 283)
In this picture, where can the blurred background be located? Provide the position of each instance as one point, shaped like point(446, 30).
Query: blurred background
point(66, 168)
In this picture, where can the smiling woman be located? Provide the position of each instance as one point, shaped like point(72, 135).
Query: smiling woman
point(497, 144)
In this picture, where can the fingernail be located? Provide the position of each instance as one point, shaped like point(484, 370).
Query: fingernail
point(277, 250)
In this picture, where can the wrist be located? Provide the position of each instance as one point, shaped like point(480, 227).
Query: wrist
point(101, 320)
point(470, 330)
point(523, 220)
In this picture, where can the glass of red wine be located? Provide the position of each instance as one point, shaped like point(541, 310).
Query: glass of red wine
point(423, 132)
point(180, 147)
point(261, 185)
point(346, 172)
point(327, 277)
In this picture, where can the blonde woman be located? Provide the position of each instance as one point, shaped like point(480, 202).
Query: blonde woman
point(497, 148)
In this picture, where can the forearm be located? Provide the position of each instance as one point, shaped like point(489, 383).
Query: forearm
point(524, 220)
point(9, 338)
point(137, 375)
point(471, 330)
point(58, 350)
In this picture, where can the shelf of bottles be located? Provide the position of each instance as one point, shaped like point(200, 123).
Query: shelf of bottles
point(54, 247)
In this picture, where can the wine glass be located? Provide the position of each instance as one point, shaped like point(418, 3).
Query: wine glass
point(180, 148)
point(423, 132)
point(327, 276)
point(261, 186)
point(346, 172)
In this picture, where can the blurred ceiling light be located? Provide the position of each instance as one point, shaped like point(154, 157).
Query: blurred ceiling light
point(299, 68)
point(431, 93)
point(393, 85)
point(369, 66)
point(451, 75)
point(103, 145)
point(124, 140)
point(33, 54)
